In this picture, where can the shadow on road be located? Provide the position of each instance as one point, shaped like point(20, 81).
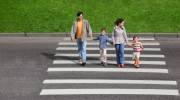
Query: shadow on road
point(48, 55)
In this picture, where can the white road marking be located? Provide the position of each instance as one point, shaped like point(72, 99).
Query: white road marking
point(96, 43)
point(141, 38)
point(96, 48)
point(109, 62)
point(109, 91)
point(107, 81)
point(143, 70)
point(112, 55)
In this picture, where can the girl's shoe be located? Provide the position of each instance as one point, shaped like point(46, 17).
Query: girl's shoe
point(136, 66)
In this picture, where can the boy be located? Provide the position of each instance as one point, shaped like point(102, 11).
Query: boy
point(137, 48)
point(103, 39)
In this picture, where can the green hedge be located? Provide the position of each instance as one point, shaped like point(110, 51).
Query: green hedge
point(58, 15)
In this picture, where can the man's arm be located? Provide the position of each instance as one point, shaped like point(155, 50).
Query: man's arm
point(96, 38)
point(72, 32)
point(89, 30)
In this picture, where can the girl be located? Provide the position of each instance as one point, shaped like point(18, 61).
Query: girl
point(137, 48)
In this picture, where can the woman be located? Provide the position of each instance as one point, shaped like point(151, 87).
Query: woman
point(119, 38)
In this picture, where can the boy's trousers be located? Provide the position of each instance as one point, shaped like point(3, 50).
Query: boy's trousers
point(103, 55)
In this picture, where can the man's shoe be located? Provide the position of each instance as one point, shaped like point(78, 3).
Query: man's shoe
point(80, 61)
point(84, 64)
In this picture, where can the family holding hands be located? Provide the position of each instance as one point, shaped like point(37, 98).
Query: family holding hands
point(81, 30)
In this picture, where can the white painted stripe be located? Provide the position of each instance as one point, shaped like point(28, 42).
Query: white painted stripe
point(109, 62)
point(96, 43)
point(143, 70)
point(95, 48)
point(107, 81)
point(141, 38)
point(109, 91)
point(112, 55)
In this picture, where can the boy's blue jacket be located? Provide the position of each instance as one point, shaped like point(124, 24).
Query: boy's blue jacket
point(103, 39)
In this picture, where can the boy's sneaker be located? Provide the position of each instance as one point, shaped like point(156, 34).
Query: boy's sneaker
point(104, 64)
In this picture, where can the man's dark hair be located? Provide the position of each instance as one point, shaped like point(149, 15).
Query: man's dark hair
point(79, 13)
point(119, 20)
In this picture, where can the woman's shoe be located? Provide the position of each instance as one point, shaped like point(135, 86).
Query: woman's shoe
point(119, 65)
point(83, 64)
point(122, 65)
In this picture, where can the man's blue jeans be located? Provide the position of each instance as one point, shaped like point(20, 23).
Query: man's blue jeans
point(119, 53)
point(82, 49)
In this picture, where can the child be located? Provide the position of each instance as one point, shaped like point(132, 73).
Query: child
point(103, 39)
point(137, 48)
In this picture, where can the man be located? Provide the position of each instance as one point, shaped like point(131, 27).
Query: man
point(80, 31)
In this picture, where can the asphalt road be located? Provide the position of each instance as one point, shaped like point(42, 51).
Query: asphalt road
point(24, 63)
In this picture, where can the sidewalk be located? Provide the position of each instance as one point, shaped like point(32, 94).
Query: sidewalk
point(57, 36)
point(63, 34)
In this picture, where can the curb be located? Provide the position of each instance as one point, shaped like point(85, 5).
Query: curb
point(155, 35)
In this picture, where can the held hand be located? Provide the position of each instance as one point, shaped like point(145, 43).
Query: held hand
point(113, 43)
point(72, 40)
point(91, 38)
point(129, 45)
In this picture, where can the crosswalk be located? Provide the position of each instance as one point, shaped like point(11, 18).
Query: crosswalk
point(96, 43)
point(109, 62)
point(145, 70)
point(66, 77)
point(113, 55)
point(109, 91)
point(95, 48)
